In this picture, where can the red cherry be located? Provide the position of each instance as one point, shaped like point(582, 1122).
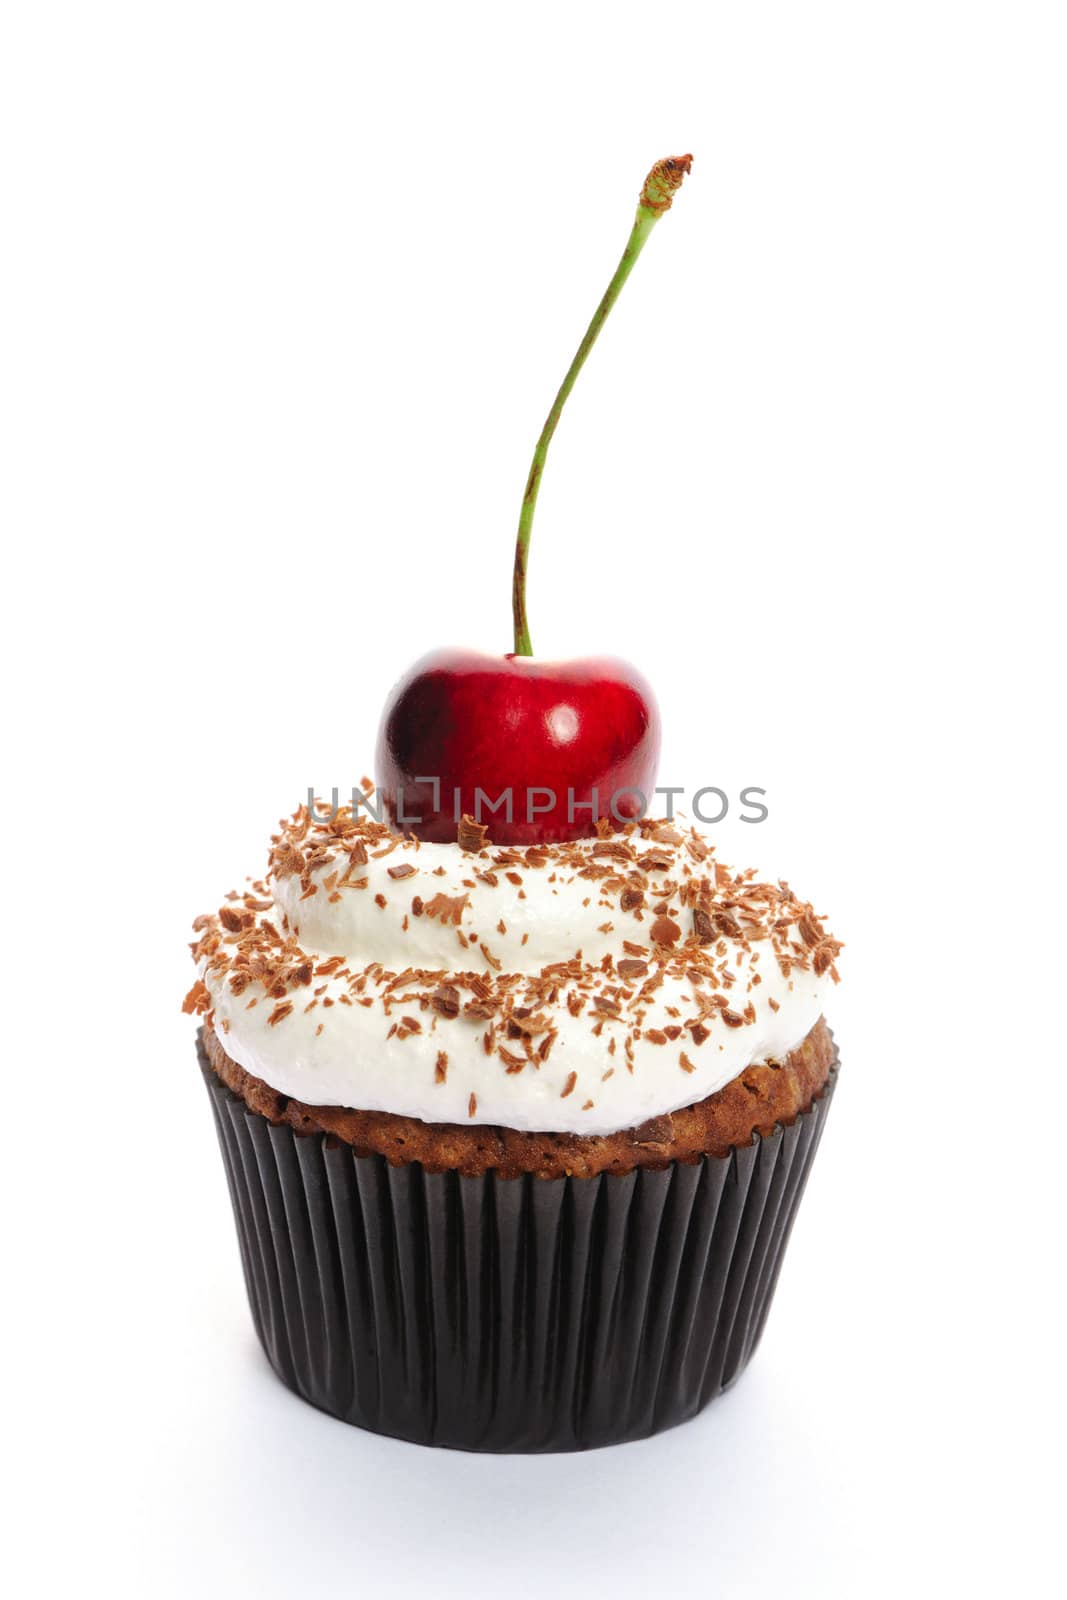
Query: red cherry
point(498, 723)
point(561, 743)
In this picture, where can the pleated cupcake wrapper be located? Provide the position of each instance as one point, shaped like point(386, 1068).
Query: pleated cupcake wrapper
point(522, 1314)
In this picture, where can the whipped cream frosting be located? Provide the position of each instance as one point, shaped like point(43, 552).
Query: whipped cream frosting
point(581, 987)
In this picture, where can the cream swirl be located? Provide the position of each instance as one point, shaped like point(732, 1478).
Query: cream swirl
point(581, 987)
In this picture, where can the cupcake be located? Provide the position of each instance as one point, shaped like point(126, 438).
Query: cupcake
point(515, 1130)
point(515, 1136)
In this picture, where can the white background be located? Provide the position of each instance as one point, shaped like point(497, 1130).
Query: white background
point(287, 292)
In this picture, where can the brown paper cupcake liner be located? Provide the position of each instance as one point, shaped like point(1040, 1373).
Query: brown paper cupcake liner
point(520, 1314)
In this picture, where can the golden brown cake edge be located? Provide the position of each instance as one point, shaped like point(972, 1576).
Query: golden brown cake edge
point(753, 1102)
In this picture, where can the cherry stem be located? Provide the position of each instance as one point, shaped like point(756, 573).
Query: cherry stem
point(660, 187)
